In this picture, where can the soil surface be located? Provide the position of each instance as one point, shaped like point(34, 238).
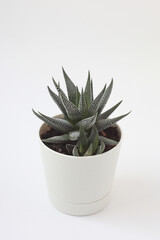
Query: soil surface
point(111, 132)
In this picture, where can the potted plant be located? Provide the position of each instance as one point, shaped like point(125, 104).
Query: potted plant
point(80, 148)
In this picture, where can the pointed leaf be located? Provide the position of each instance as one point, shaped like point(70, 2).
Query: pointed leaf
point(58, 101)
point(60, 91)
point(100, 148)
point(105, 123)
point(88, 91)
point(87, 122)
point(105, 97)
point(71, 88)
point(108, 141)
point(95, 104)
point(75, 151)
point(57, 139)
point(108, 112)
point(89, 151)
point(83, 105)
point(82, 138)
point(77, 96)
point(59, 124)
point(81, 149)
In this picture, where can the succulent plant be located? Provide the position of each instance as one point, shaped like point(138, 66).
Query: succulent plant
point(83, 119)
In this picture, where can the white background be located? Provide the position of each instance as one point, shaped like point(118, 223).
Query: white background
point(119, 39)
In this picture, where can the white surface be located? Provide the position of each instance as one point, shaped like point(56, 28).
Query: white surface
point(119, 39)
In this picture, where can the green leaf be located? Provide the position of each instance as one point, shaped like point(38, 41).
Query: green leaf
point(89, 150)
point(57, 139)
point(95, 143)
point(81, 149)
point(72, 111)
point(87, 122)
point(59, 124)
point(88, 91)
point(105, 123)
point(60, 91)
point(82, 138)
point(75, 151)
point(58, 101)
point(83, 105)
point(95, 104)
point(77, 96)
point(108, 112)
point(69, 148)
point(71, 88)
point(108, 141)
point(105, 97)
point(74, 135)
point(100, 148)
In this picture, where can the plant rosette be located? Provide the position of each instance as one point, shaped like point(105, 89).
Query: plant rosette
point(80, 174)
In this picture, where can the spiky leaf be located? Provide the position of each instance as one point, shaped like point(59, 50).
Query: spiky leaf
point(83, 105)
point(57, 139)
point(105, 97)
point(82, 138)
point(88, 91)
point(58, 101)
point(89, 150)
point(77, 96)
point(71, 88)
point(95, 104)
point(108, 141)
point(108, 112)
point(59, 124)
point(105, 123)
point(57, 86)
point(87, 123)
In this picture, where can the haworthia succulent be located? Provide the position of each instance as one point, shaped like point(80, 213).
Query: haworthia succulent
point(57, 139)
point(71, 88)
point(82, 118)
point(108, 112)
point(106, 123)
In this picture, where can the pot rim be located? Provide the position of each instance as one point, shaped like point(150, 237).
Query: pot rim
point(78, 157)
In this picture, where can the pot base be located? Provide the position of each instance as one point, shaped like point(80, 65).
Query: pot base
point(79, 209)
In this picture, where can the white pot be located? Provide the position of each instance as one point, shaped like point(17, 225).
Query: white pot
point(79, 185)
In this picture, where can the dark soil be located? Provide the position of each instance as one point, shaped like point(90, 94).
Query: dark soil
point(111, 132)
